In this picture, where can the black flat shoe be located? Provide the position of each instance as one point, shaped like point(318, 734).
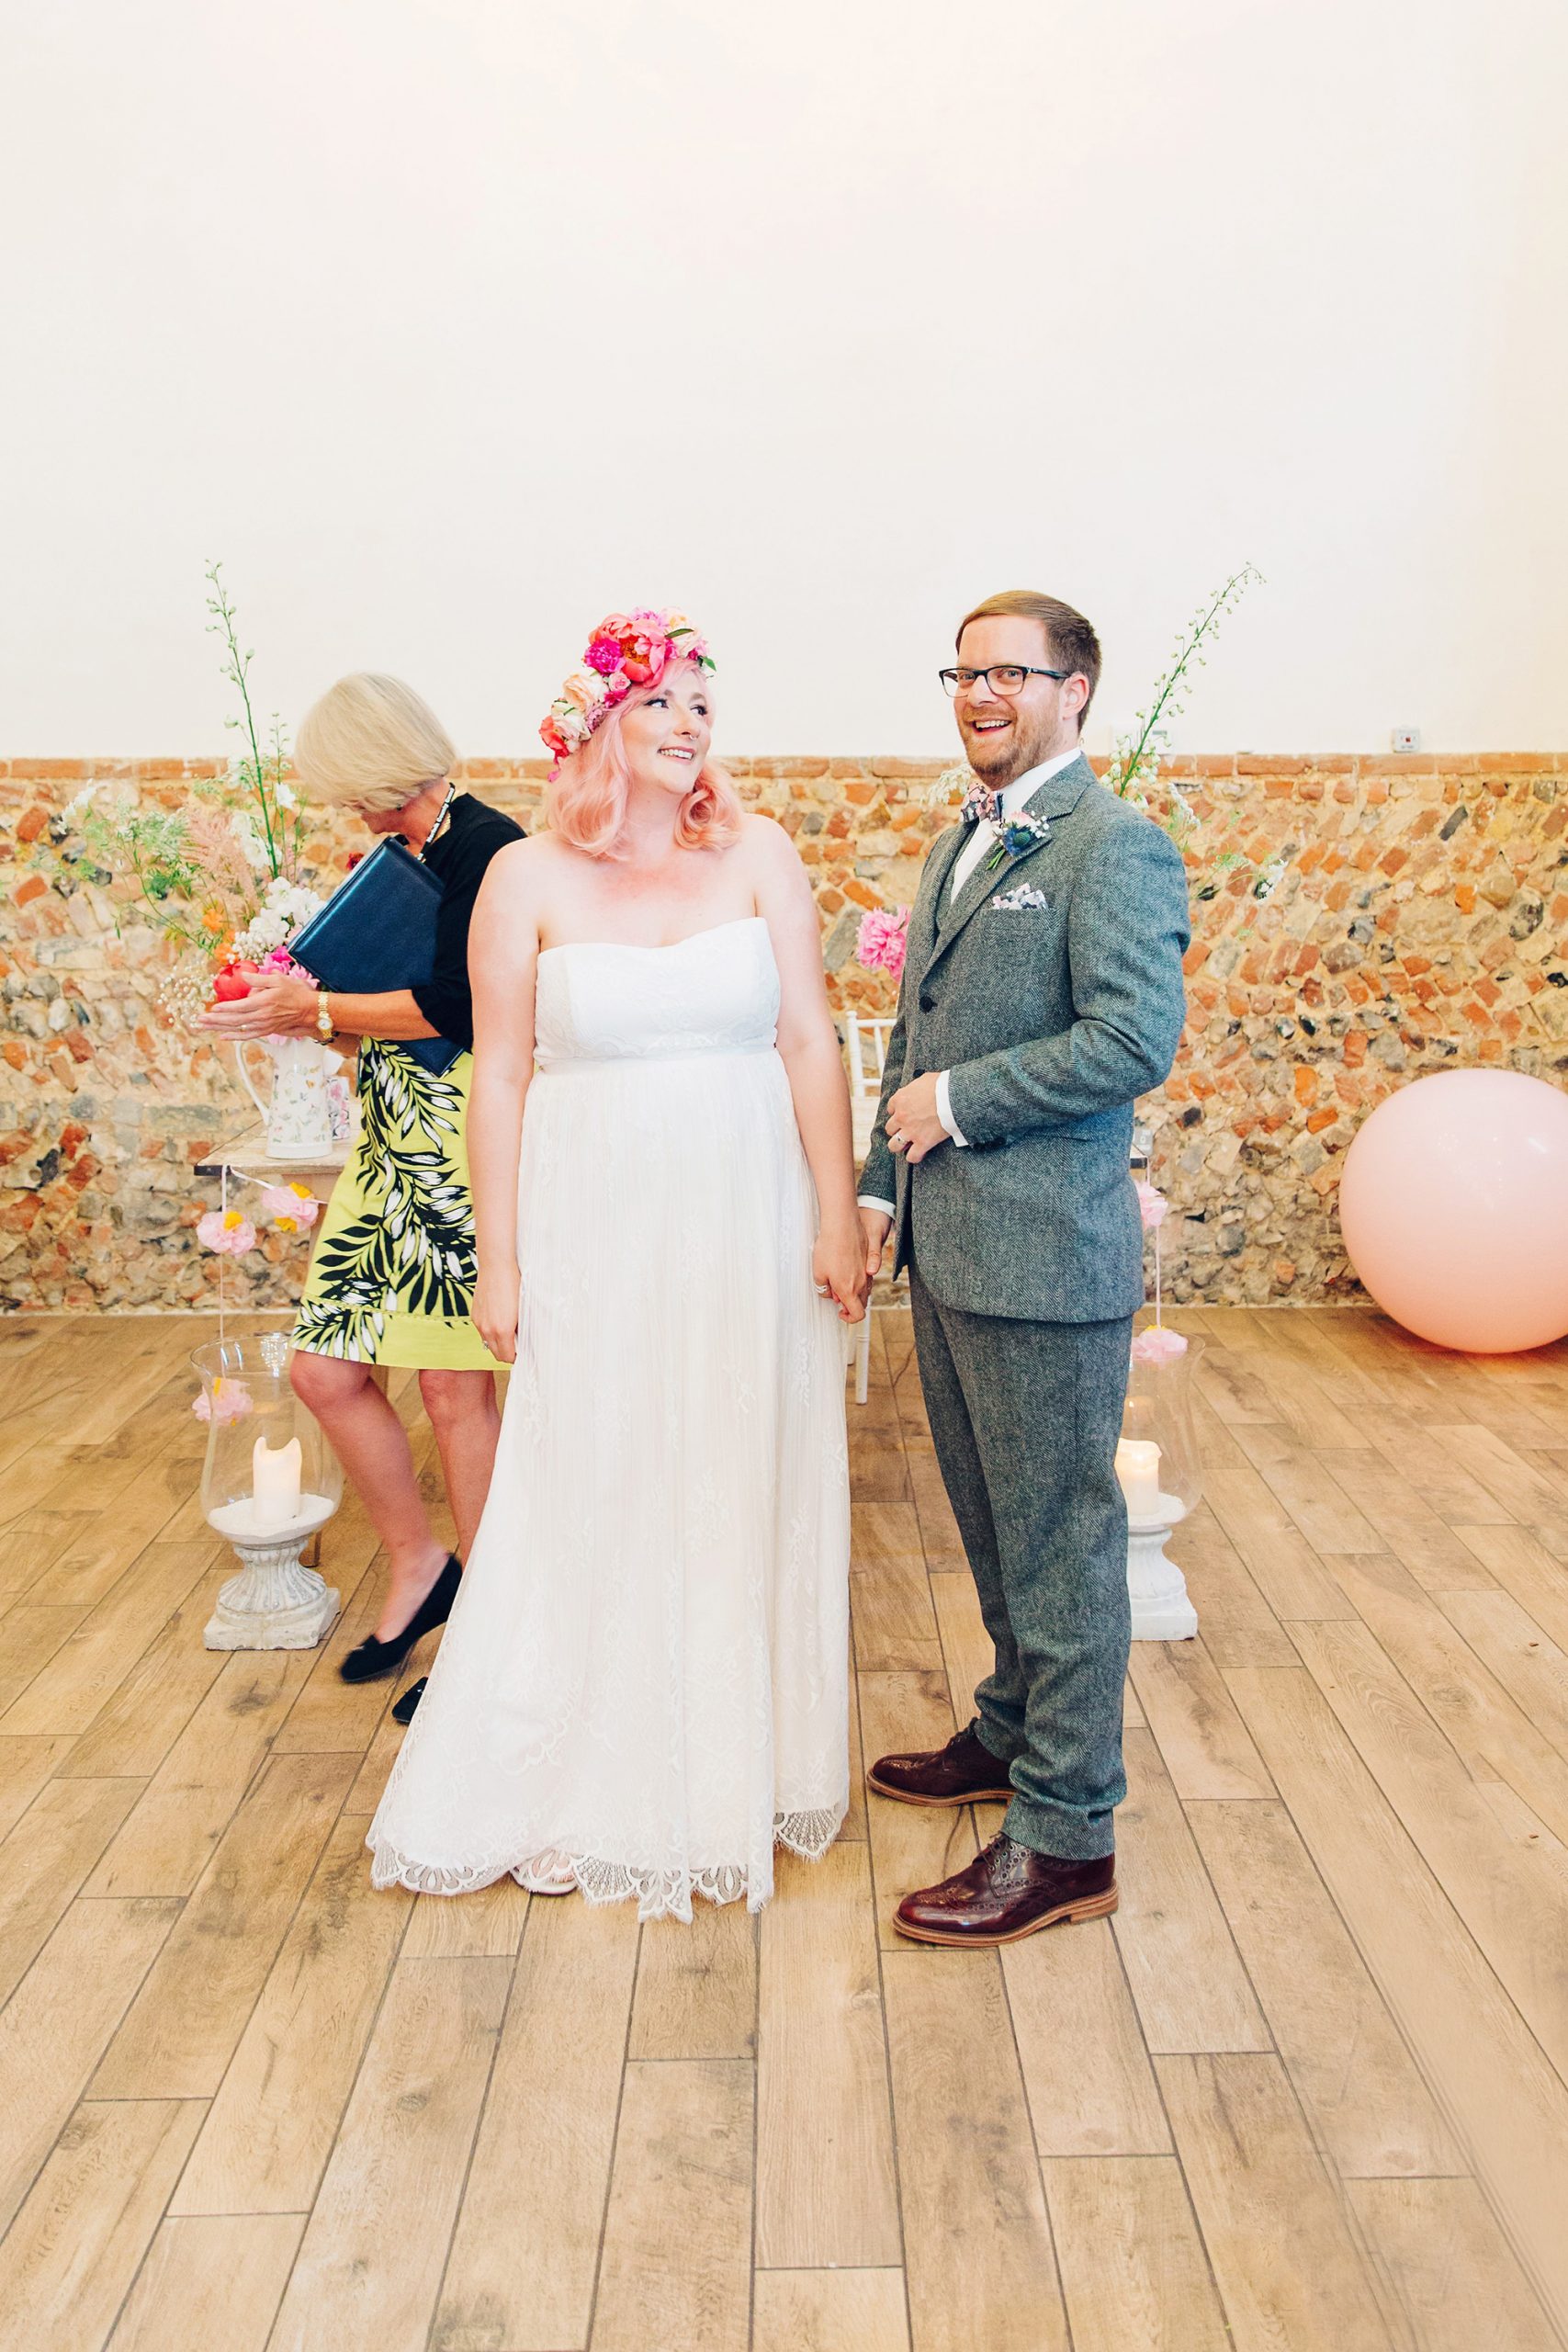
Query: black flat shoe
point(406, 1707)
point(373, 1660)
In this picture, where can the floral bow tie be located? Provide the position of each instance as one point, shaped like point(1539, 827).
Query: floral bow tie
point(980, 803)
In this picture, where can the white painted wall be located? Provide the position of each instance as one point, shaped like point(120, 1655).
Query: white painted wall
point(450, 323)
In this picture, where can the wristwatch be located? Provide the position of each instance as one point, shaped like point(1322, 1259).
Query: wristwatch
point(323, 1018)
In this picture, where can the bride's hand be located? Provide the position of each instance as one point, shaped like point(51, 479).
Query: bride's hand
point(838, 1268)
point(497, 1301)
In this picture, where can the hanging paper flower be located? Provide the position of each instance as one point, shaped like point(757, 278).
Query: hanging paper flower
point(229, 1401)
point(293, 1208)
point(1152, 1204)
point(883, 940)
point(226, 1231)
point(1158, 1344)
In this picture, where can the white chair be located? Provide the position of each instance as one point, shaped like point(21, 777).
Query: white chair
point(866, 1049)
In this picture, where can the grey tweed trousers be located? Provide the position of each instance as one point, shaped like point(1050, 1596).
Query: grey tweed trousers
point(1025, 1418)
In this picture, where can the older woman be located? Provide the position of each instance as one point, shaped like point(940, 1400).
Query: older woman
point(393, 1276)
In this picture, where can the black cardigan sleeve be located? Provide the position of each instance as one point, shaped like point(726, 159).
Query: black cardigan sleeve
point(472, 841)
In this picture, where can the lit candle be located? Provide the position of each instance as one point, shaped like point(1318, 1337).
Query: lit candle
point(275, 1476)
point(1137, 1466)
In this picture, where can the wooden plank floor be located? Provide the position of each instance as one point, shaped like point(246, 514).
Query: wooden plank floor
point(1307, 2089)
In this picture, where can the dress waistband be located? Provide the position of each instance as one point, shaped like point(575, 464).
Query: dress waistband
point(578, 1065)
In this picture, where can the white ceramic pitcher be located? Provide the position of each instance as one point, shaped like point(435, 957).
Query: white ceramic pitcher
point(299, 1117)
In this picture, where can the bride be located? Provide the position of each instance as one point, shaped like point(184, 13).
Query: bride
point(644, 1682)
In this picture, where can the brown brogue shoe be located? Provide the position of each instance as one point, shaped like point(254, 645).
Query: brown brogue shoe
point(963, 1773)
point(1008, 1892)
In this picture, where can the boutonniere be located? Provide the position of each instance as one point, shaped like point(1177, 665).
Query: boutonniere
point(1019, 834)
point(1021, 900)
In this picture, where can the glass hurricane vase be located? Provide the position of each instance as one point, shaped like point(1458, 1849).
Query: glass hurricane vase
point(270, 1483)
point(1159, 1465)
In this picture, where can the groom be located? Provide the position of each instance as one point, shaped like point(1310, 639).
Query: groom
point(1042, 994)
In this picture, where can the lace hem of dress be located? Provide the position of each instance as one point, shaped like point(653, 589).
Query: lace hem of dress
point(658, 1893)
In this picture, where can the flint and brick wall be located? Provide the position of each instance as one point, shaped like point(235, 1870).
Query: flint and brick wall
point(1422, 924)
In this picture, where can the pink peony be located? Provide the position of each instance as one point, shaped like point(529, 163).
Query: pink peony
point(883, 940)
point(643, 659)
point(226, 1231)
point(291, 1207)
point(604, 655)
point(1158, 1344)
point(1152, 1206)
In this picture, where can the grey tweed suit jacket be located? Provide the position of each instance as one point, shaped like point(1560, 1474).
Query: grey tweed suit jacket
point(1050, 1019)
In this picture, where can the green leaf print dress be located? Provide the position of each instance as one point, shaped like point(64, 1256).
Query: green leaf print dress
point(391, 1278)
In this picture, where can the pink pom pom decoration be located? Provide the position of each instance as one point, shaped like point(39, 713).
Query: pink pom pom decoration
point(1158, 1344)
point(226, 1231)
point(291, 1208)
point(1152, 1204)
point(883, 941)
point(230, 1401)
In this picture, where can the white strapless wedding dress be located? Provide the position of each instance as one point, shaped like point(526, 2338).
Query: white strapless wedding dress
point(644, 1677)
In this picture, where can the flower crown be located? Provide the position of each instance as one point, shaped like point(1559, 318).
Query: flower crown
point(626, 650)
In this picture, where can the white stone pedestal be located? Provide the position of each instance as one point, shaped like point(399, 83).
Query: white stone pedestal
point(1161, 1610)
point(274, 1603)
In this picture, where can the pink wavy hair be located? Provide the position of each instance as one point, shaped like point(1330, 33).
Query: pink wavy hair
point(586, 802)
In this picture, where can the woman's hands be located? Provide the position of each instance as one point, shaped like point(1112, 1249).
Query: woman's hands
point(277, 1005)
point(839, 1270)
point(498, 1297)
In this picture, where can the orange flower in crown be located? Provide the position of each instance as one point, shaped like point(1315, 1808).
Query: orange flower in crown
point(626, 650)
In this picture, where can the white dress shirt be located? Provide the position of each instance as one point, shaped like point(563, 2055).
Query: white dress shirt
point(981, 837)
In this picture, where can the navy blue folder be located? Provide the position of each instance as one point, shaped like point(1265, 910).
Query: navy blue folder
point(377, 933)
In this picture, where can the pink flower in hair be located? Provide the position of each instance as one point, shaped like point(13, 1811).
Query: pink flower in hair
point(625, 649)
point(883, 940)
point(643, 658)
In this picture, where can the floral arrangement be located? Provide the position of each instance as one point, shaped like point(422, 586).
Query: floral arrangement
point(224, 879)
point(626, 650)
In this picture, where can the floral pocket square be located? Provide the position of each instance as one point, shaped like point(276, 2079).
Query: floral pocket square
point(1021, 900)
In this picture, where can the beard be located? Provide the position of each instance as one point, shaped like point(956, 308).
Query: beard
point(1001, 760)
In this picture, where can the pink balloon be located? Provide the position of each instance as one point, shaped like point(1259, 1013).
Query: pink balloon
point(1454, 1208)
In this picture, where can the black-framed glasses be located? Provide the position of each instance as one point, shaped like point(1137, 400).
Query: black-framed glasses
point(1003, 678)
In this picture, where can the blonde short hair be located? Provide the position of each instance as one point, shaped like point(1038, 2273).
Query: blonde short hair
point(370, 743)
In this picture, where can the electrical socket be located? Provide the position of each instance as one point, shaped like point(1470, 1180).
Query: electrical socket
point(1405, 738)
